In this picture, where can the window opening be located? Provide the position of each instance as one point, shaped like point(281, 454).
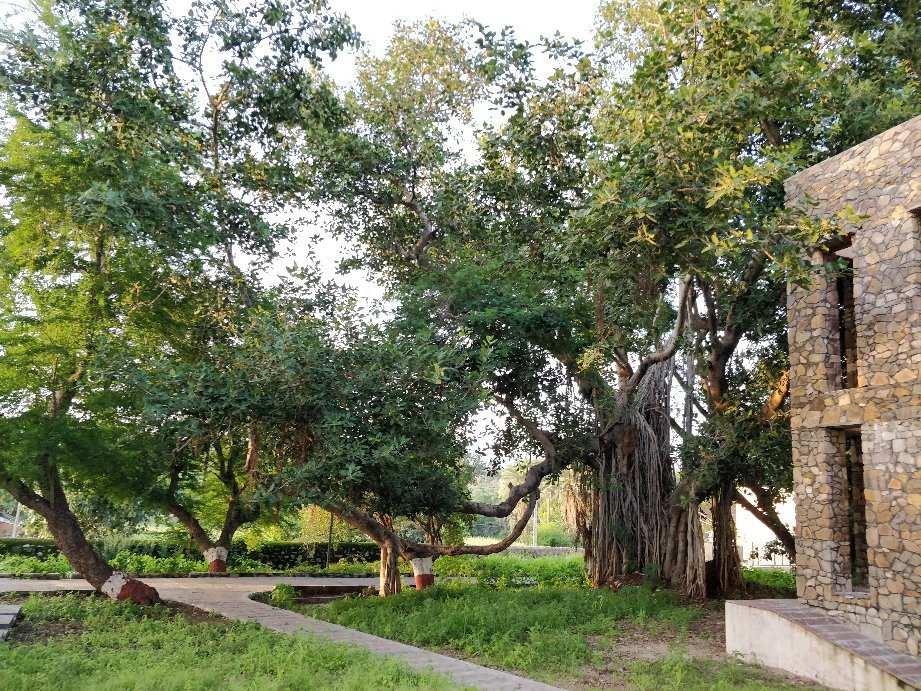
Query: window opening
point(856, 511)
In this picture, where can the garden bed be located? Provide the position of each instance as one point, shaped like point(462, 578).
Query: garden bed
point(83, 641)
point(635, 637)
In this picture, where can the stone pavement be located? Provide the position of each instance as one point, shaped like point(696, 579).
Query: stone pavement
point(230, 598)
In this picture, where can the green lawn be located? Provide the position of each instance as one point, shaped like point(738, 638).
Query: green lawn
point(100, 644)
point(564, 634)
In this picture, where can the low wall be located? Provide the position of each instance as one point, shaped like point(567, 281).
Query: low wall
point(791, 636)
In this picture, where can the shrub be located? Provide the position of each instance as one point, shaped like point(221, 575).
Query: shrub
point(143, 563)
point(507, 571)
point(779, 579)
point(18, 564)
point(27, 547)
point(554, 535)
point(288, 555)
point(283, 595)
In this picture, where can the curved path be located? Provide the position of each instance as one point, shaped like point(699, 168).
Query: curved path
point(229, 596)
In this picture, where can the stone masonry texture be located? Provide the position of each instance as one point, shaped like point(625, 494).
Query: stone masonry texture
point(881, 406)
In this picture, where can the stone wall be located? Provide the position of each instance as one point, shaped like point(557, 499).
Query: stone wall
point(881, 180)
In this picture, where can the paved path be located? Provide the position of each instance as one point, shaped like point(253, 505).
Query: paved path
point(230, 597)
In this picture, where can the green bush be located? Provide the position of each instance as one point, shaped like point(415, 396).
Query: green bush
point(778, 579)
point(19, 565)
point(554, 535)
point(511, 571)
point(288, 555)
point(283, 595)
point(27, 547)
point(169, 554)
point(143, 563)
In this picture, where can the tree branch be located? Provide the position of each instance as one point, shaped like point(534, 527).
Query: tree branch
point(670, 347)
point(428, 229)
point(191, 523)
point(768, 516)
point(454, 550)
point(777, 397)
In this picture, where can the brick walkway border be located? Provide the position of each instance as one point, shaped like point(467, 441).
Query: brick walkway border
point(903, 667)
point(230, 598)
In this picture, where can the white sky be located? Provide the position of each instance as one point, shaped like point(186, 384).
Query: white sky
point(531, 19)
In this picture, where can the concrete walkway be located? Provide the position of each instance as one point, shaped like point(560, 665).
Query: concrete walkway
point(230, 597)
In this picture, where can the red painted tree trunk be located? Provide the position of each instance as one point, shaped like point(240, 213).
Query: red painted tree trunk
point(422, 571)
point(69, 537)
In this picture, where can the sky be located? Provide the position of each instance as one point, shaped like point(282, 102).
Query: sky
point(531, 19)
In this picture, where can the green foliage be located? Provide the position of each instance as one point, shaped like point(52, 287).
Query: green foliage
point(143, 563)
point(166, 555)
point(19, 565)
point(779, 579)
point(554, 534)
point(283, 596)
point(314, 526)
point(27, 547)
point(512, 571)
point(533, 630)
point(287, 555)
point(679, 671)
point(125, 646)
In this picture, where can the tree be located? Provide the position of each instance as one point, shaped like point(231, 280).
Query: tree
point(725, 100)
point(623, 209)
point(122, 193)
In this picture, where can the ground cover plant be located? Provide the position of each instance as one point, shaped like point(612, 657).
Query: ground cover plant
point(16, 565)
point(101, 644)
point(536, 631)
point(559, 634)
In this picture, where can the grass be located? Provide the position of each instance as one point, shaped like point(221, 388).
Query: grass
point(680, 672)
point(562, 634)
point(115, 645)
point(531, 630)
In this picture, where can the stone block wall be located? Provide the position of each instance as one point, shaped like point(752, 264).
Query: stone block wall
point(881, 180)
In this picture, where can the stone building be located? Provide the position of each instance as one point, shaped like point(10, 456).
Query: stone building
point(855, 371)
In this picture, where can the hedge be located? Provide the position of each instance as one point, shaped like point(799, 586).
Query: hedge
point(286, 555)
point(27, 547)
point(277, 555)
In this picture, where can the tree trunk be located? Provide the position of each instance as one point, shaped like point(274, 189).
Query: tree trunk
point(69, 537)
point(422, 572)
point(216, 552)
point(728, 565)
point(685, 565)
point(632, 483)
point(391, 582)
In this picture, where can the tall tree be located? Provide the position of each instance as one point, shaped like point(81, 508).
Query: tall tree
point(123, 197)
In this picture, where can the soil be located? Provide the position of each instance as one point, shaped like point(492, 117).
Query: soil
point(705, 639)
